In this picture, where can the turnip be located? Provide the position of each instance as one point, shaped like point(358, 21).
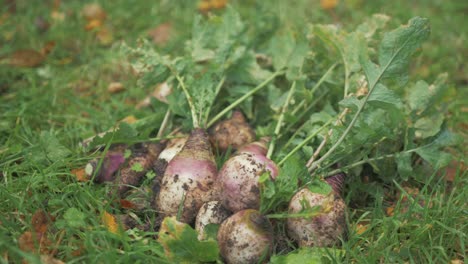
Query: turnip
point(246, 237)
point(231, 133)
point(210, 213)
point(173, 147)
point(189, 179)
point(109, 166)
point(238, 178)
point(138, 165)
point(327, 226)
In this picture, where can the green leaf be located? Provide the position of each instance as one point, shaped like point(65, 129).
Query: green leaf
point(438, 159)
point(372, 24)
point(137, 167)
point(74, 217)
point(383, 97)
point(306, 255)
point(428, 126)
point(404, 165)
point(399, 45)
point(319, 186)
point(181, 244)
point(422, 96)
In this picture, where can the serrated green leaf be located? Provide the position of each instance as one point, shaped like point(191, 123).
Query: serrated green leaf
point(383, 97)
point(423, 96)
point(181, 244)
point(399, 45)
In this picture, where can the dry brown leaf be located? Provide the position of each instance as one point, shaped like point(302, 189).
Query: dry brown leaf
point(93, 24)
point(57, 16)
point(80, 175)
point(115, 87)
point(161, 34)
point(328, 4)
point(47, 259)
point(105, 36)
point(452, 169)
point(126, 204)
point(29, 242)
point(23, 58)
point(160, 92)
point(40, 221)
point(208, 5)
point(129, 119)
point(93, 12)
point(361, 228)
point(110, 222)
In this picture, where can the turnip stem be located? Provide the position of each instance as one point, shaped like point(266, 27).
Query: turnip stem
point(164, 123)
point(361, 162)
point(189, 100)
point(218, 88)
point(271, 148)
point(304, 142)
point(241, 99)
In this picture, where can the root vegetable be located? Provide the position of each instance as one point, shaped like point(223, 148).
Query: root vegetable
point(238, 178)
point(246, 237)
point(210, 213)
point(141, 161)
point(110, 165)
point(234, 132)
point(189, 179)
point(173, 147)
point(324, 229)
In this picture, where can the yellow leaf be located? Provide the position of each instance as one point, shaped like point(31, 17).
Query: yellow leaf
point(110, 222)
point(328, 4)
point(129, 119)
point(80, 175)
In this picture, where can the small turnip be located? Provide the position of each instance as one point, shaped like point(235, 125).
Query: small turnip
point(238, 178)
point(231, 133)
point(189, 179)
point(246, 237)
point(210, 213)
point(324, 229)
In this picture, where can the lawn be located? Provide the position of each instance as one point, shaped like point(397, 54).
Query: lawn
point(70, 70)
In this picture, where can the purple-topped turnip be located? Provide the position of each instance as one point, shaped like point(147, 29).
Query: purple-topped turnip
point(328, 226)
point(246, 237)
point(238, 178)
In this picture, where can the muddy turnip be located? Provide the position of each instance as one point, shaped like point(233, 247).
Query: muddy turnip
point(238, 178)
point(246, 237)
point(210, 213)
point(231, 133)
point(189, 179)
point(324, 229)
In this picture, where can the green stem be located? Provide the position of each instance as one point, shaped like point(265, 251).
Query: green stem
point(218, 88)
point(189, 100)
point(271, 148)
point(323, 78)
point(245, 96)
point(304, 142)
point(361, 162)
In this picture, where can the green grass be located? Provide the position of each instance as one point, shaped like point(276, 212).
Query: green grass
point(55, 106)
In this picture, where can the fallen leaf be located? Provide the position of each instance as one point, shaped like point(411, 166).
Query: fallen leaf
point(29, 242)
point(129, 119)
point(80, 175)
point(105, 36)
point(160, 92)
point(40, 222)
point(57, 16)
point(126, 204)
point(23, 58)
point(93, 12)
point(48, 47)
point(47, 259)
point(115, 87)
point(110, 222)
point(390, 210)
point(161, 34)
point(328, 4)
point(208, 5)
point(93, 24)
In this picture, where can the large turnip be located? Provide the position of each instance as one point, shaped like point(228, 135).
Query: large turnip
point(189, 179)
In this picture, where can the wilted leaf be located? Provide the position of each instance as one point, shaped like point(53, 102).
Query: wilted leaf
point(181, 244)
point(161, 34)
point(23, 58)
point(80, 175)
point(110, 222)
point(115, 87)
point(29, 242)
point(93, 12)
point(328, 4)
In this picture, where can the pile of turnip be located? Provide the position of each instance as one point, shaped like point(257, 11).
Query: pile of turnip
point(222, 173)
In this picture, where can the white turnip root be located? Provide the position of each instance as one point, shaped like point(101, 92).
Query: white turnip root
point(238, 178)
point(324, 229)
point(246, 237)
point(189, 179)
point(234, 133)
point(210, 213)
point(173, 147)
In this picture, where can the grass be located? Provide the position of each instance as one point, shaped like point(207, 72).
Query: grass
point(51, 108)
